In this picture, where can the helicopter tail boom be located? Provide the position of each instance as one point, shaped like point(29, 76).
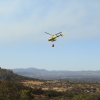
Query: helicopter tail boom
point(63, 33)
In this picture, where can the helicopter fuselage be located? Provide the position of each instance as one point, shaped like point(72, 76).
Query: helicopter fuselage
point(52, 38)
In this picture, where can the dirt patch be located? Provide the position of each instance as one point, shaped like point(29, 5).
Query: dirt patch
point(32, 82)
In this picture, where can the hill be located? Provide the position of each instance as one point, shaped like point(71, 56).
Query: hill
point(11, 90)
point(83, 76)
point(9, 75)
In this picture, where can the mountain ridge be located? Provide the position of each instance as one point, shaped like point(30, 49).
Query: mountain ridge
point(63, 75)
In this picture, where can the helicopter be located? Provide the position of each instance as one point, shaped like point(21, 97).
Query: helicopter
point(53, 37)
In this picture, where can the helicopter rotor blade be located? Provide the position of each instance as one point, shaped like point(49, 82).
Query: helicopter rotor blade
point(58, 33)
point(48, 33)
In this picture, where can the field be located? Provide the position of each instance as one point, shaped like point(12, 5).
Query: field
point(93, 88)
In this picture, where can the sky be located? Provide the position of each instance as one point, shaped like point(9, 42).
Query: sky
point(24, 44)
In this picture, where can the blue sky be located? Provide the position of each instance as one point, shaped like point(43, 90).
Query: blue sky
point(24, 44)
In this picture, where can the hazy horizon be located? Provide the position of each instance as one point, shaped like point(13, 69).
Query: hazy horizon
point(23, 42)
point(49, 70)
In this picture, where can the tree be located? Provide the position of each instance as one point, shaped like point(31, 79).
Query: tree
point(26, 95)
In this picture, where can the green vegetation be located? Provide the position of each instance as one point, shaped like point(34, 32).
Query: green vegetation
point(11, 88)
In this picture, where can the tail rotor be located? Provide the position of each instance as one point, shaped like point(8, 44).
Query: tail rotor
point(63, 34)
